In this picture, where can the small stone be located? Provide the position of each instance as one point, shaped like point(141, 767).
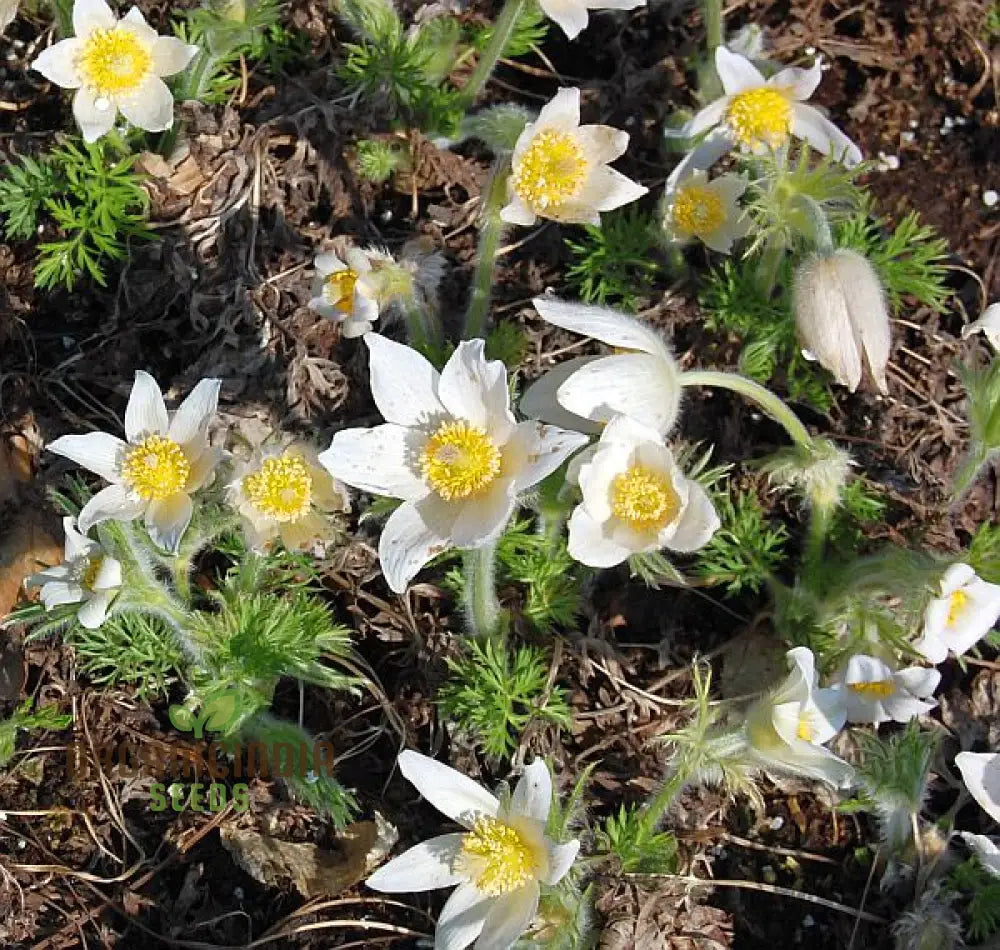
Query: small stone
point(990, 198)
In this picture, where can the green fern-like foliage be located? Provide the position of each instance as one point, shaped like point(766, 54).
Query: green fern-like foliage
point(980, 892)
point(24, 718)
point(530, 30)
point(638, 848)
point(494, 694)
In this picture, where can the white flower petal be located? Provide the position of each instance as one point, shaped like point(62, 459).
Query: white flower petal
point(704, 119)
point(77, 544)
point(96, 117)
point(135, 22)
point(827, 713)
point(988, 324)
point(172, 55)
point(509, 916)
point(602, 323)
point(955, 578)
point(58, 63)
point(407, 543)
point(462, 918)
point(482, 519)
point(109, 575)
point(475, 389)
point(150, 107)
point(167, 520)
point(737, 73)
point(702, 157)
point(517, 212)
point(539, 399)
point(383, 460)
point(535, 451)
point(809, 124)
point(533, 793)
point(570, 15)
point(561, 858)
point(146, 413)
point(95, 611)
point(449, 791)
point(801, 679)
point(562, 111)
point(801, 83)
point(981, 774)
point(203, 466)
point(589, 545)
point(189, 425)
point(607, 189)
point(425, 867)
point(97, 452)
point(901, 707)
point(986, 851)
point(90, 15)
point(114, 503)
point(697, 524)
point(918, 681)
point(404, 384)
point(602, 143)
point(931, 647)
point(57, 593)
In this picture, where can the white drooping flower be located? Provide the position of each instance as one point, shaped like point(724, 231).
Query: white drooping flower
point(981, 774)
point(841, 317)
point(166, 458)
point(757, 114)
point(786, 728)
point(986, 851)
point(343, 293)
point(88, 576)
point(988, 324)
point(635, 499)
point(874, 692)
point(964, 611)
point(642, 383)
point(450, 448)
point(560, 169)
point(115, 66)
point(707, 209)
point(497, 864)
point(285, 493)
point(573, 15)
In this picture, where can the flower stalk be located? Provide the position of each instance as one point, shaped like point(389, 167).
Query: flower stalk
point(712, 12)
point(482, 606)
point(490, 234)
point(502, 30)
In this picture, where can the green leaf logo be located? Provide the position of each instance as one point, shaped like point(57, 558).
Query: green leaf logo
point(220, 712)
point(181, 718)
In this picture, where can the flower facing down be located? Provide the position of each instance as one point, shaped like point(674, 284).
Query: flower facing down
point(709, 210)
point(88, 576)
point(786, 728)
point(873, 692)
point(988, 324)
point(153, 474)
point(642, 382)
point(572, 15)
point(498, 862)
point(757, 114)
point(964, 611)
point(450, 448)
point(560, 170)
point(981, 774)
point(841, 317)
point(342, 293)
point(115, 66)
point(635, 499)
point(286, 494)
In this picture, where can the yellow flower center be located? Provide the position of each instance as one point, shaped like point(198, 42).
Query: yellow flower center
point(497, 857)
point(761, 116)
point(114, 62)
point(956, 606)
point(877, 689)
point(805, 730)
point(88, 576)
point(551, 172)
point(156, 468)
point(281, 488)
point(459, 460)
point(643, 498)
point(338, 289)
point(697, 210)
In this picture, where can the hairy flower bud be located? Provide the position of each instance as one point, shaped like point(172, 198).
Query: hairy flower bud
point(841, 316)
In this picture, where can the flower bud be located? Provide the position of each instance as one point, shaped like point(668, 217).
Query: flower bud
point(841, 316)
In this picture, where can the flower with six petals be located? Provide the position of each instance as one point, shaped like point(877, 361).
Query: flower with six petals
point(964, 611)
point(874, 692)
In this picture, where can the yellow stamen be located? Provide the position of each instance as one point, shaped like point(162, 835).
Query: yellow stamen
point(805, 730)
point(156, 468)
point(281, 488)
point(114, 62)
point(761, 116)
point(459, 460)
point(91, 569)
point(644, 498)
point(956, 606)
point(497, 857)
point(551, 172)
point(338, 289)
point(697, 210)
point(875, 688)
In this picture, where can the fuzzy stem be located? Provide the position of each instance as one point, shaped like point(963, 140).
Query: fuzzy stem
point(656, 808)
point(482, 606)
point(770, 266)
point(422, 326)
point(502, 30)
point(818, 223)
point(812, 560)
point(712, 12)
point(489, 244)
point(764, 398)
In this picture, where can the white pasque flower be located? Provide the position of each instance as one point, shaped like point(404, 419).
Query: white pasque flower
point(642, 383)
point(635, 499)
point(166, 458)
point(342, 292)
point(874, 692)
point(115, 66)
point(981, 774)
point(560, 170)
point(696, 207)
point(964, 611)
point(572, 15)
point(757, 114)
point(498, 862)
point(841, 317)
point(786, 728)
point(988, 324)
point(284, 492)
point(88, 576)
point(450, 448)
